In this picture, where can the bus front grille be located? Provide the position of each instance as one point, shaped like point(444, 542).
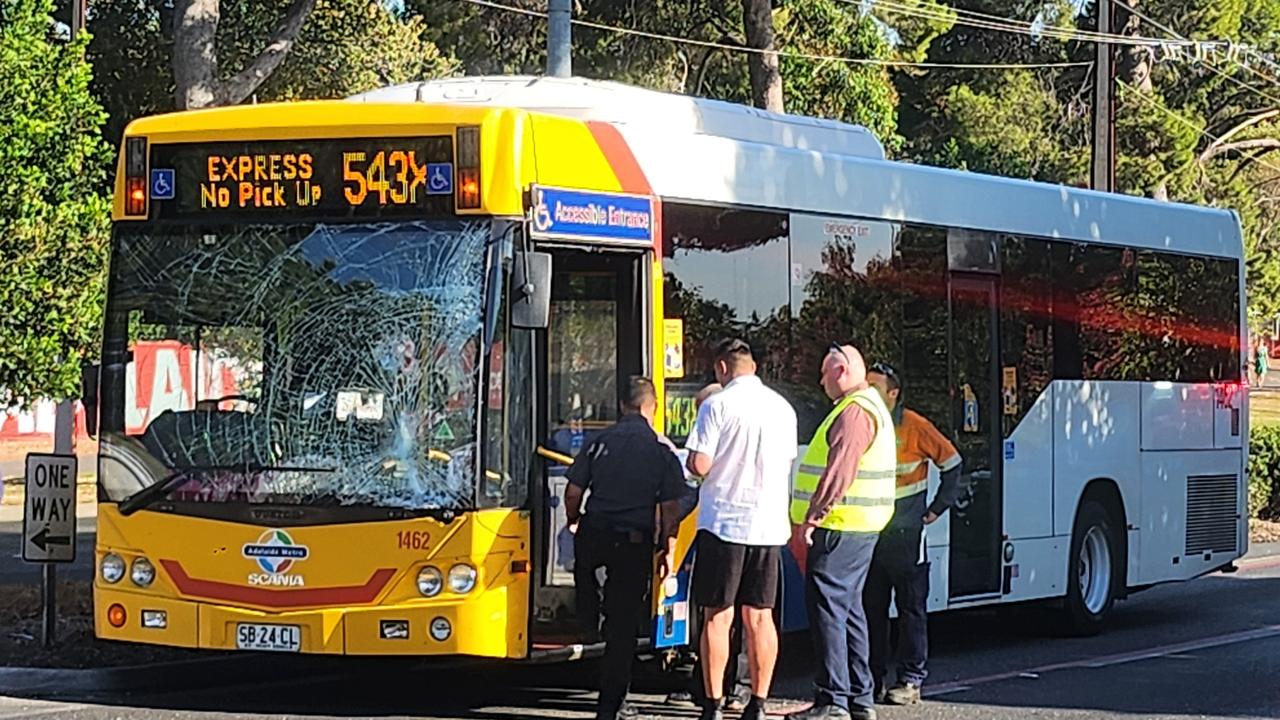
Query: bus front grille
point(1212, 513)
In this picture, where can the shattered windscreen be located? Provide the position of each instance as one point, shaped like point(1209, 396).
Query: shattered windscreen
point(296, 364)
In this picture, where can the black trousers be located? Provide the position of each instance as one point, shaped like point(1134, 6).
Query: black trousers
point(896, 569)
point(628, 573)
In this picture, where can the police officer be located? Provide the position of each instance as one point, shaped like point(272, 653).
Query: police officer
point(841, 499)
point(899, 564)
point(634, 480)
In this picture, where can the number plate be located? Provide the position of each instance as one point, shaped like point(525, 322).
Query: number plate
point(276, 638)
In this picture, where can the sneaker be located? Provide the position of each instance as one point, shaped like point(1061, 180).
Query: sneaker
point(862, 713)
point(739, 700)
point(881, 695)
point(821, 712)
point(681, 697)
point(626, 711)
point(904, 693)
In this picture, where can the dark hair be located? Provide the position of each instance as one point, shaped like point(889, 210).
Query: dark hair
point(640, 391)
point(889, 374)
point(733, 350)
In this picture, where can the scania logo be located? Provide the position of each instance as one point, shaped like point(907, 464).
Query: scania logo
point(275, 552)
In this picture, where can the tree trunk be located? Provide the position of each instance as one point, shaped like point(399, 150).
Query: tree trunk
point(195, 55)
point(195, 58)
point(1134, 67)
point(766, 78)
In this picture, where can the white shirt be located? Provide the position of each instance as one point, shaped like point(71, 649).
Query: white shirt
point(749, 432)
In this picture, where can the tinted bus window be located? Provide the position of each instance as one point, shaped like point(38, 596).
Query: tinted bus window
point(1094, 320)
point(1026, 322)
point(725, 274)
point(1191, 317)
point(844, 288)
point(925, 321)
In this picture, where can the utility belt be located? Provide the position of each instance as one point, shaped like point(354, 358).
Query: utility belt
point(613, 535)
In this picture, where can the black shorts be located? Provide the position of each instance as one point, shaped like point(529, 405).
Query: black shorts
point(728, 574)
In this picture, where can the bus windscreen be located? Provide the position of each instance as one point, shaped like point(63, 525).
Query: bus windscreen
point(304, 364)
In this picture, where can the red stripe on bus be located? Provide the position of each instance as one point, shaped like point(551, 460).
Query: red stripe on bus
point(263, 597)
point(621, 159)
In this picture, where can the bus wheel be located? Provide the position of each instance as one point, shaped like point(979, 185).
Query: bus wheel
point(1091, 575)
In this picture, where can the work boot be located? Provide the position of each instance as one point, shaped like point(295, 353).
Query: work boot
point(904, 693)
point(881, 695)
point(822, 712)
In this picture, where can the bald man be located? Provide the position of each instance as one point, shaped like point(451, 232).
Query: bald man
point(841, 499)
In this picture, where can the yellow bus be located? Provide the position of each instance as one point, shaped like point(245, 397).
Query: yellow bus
point(337, 336)
point(350, 345)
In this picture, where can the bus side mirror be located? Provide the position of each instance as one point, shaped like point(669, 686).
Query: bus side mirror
point(89, 397)
point(531, 290)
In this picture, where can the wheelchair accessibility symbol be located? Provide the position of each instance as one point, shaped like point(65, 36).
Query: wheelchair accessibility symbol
point(162, 184)
point(439, 178)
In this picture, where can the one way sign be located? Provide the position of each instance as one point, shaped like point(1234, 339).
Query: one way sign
point(49, 514)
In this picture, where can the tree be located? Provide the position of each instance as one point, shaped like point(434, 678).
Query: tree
point(52, 210)
point(345, 47)
point(766, 76)
point(197, 80)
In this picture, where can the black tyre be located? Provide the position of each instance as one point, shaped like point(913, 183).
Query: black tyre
point(1094, 571)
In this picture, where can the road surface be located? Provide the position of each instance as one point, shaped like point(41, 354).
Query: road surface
point(1205, 649)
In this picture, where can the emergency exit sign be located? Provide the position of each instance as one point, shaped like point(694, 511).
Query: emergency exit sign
point(49, 512)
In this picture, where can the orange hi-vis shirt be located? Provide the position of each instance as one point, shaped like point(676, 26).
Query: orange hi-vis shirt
point(920, 443)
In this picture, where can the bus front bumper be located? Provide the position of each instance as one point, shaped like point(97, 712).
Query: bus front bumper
point(480, 624)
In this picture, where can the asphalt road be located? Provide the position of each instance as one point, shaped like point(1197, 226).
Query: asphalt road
point(1205, 649)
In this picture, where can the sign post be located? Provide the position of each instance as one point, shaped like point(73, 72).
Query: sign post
point(49, 525)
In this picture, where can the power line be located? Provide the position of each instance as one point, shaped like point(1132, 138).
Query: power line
point(780, 53)
point(1170, 31)
point(986, 21)
point(1179, 117)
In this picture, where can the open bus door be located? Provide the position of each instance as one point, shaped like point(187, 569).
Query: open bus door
point(597, 338)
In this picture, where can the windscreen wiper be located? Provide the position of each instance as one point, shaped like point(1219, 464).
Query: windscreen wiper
point(147, 495)
point(150, 494)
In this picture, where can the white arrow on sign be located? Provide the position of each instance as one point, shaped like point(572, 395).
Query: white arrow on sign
point(49, 511)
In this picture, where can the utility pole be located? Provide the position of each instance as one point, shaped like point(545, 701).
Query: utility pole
point(1104, 104)
point(560, 38)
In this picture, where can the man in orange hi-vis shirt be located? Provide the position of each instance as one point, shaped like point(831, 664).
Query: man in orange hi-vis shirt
point(899, 564)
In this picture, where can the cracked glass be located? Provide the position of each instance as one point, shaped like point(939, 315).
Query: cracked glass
point(296, 364)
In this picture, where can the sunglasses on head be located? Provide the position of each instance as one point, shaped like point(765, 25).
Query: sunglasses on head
point(838, 349)
point(886, 371)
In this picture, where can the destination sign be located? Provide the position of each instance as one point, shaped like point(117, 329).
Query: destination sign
point(360, 177)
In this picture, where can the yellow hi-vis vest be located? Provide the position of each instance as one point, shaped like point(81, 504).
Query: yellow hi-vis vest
point(867, 505)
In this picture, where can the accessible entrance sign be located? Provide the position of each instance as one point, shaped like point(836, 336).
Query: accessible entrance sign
point(49, 512)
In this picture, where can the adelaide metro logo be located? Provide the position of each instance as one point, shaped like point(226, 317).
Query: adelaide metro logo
point(275, 552)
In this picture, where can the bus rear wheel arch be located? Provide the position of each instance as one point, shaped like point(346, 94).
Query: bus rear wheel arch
point(1097, 561)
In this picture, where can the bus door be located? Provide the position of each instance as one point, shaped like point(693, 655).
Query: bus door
point(597, 338)
point(976, 520)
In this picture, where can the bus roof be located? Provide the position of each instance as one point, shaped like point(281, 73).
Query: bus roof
point(711, 151)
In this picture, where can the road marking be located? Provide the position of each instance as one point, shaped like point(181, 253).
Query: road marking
point(1103, 661)
point(46, 711)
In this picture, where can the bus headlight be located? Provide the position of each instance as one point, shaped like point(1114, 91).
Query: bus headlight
point(430, 581)
point(462, 578)
point(143, 572)
point(112, 568)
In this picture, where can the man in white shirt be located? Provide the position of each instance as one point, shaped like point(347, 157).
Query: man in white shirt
point(743, 445)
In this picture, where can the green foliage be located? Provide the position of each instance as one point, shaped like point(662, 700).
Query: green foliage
point(1264, 472)
point(52, 212)
point(347, 46)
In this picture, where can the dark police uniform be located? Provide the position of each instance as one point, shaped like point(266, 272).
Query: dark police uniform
point(628, 471)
